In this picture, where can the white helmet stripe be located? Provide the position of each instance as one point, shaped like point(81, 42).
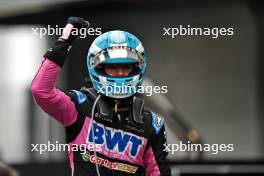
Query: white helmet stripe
point(140, 48)
point(118, 44)
point(135, 80)
point(94, 49)
point(102, 58)
point(122, 53)
point(102, 80)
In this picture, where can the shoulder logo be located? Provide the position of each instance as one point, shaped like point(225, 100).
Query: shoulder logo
point(80, 96)
point(157, 122)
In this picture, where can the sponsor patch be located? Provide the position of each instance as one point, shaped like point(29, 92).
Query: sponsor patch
point(80, 96)
point(157, 122)
point(108, 164)
point(116, 140)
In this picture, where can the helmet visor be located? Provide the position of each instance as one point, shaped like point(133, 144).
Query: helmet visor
point(118, 70)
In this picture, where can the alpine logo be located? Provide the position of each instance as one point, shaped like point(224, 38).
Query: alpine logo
point(116, 140)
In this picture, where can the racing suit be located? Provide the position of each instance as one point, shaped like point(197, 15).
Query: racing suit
point(126, 147)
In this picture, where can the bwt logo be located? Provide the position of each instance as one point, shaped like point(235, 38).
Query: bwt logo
point(115, 140)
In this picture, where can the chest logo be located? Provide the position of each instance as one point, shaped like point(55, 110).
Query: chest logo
point(115, 140)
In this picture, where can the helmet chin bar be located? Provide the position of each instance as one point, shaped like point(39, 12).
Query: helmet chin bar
point(119, 89)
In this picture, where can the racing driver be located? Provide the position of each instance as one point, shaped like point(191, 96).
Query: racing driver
point(129, 138)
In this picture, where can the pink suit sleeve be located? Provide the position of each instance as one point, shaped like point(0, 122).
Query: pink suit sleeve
point(152, 168)
point(53, 101)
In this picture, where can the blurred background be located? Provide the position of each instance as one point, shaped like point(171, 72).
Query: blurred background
point(214, 85)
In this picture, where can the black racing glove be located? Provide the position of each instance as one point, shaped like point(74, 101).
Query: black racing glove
point(61, 48)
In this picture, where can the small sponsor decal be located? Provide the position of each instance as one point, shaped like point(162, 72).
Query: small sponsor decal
point(108, 164)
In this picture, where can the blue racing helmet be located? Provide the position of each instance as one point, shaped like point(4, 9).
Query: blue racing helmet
point(116, 47)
